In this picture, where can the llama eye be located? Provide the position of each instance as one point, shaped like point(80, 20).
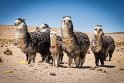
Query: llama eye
point(69, 21)
point(95, 29)
point(100, 29)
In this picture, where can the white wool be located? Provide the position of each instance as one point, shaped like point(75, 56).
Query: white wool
point(17, 21)
point(43, 30)
point(98, 27)
point(67, 18)
point(42, 26)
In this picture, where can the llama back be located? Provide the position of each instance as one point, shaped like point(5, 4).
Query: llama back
point(110, 41)
point(83, 40)
point(40, 40)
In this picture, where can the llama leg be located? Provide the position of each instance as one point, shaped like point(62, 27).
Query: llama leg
point(58, 60)
point(70, 61)
point(61, 57)
point(34, 56)
point(102, 57)
point(53, 61)
point(110, 55)
point(31, 57)
point(82, 62)
point(82, 59)
point(106, 55)
point(49, 57)
point(76, 59)
point(27, 56)
point(43, 58)
point(96, 59)
point(29, 61)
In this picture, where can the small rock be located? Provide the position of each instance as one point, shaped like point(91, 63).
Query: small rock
point(104, 71)
point(122, 69)
point(92, 68)
point(1, 60)
point(53, 74)
point(1, 45)
point(100, 69)
point(8, 52)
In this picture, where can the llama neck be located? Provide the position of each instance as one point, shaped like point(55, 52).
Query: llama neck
point(98, 38)
point(53, 41)
point(22, 35)
point(67, 31)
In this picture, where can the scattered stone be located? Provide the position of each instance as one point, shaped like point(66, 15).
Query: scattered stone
point(100, 69)
point(8, 52)
point(122, 69)
point(53, 74)
point(1, 60)
point(1, 45)
point(92, 68)
point(104, 71)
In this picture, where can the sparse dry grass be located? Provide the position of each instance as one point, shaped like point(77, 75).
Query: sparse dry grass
point(118, 44)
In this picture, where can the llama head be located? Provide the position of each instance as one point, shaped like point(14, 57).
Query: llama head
point(53, 34)
point(19, 21)
point(21, 26)
point(67, 21)
point(44, 28)
point(67, 25)
point(98, 31)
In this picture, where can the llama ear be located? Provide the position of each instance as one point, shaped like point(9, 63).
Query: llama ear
point(63, 16)
point(46, 25)
point(100, 25)
point(20, 19)
point(69, 17)
point(23, 20)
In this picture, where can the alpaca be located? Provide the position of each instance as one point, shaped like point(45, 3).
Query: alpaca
point(43, 28)
point(33, 42)
point(101, 45)
point(74, 42)
point(56, 49)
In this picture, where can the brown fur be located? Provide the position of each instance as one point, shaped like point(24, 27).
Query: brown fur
point(70, 41)
point(56, 49)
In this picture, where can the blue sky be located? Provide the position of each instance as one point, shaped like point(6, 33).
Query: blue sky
point(85, 13)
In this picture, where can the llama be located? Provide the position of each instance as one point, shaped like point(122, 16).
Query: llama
point(74, 42)
point(33, 42)
point(56, 49)
point(101, 45)
point(43, 28)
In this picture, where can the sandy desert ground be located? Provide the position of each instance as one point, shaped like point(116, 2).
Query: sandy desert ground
point(14, 68)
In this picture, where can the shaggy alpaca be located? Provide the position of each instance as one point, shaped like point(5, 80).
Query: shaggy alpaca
point(33, 42)
point(101, 45)
point(56, 49)
point(43, 28)
point(74, 42)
